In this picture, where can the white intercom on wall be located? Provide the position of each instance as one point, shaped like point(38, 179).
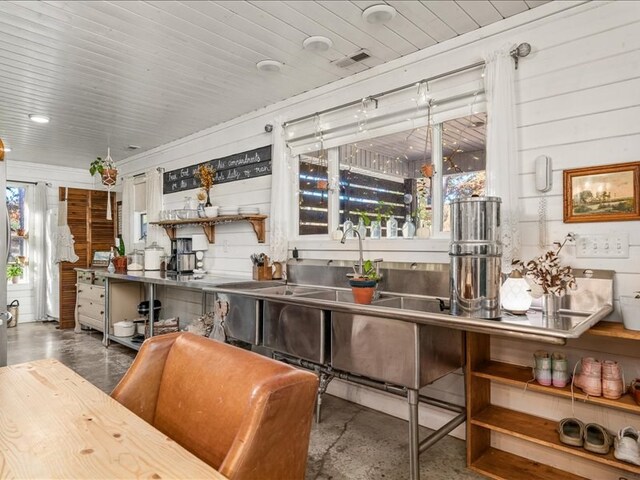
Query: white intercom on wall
point(543, 173)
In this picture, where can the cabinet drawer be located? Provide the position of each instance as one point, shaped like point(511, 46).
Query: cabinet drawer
point(91, 293)
point(85, 277)
point(99, 281)
point(91, 322)
point(90, 309)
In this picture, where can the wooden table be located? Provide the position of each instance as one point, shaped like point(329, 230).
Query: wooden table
point(55, 424)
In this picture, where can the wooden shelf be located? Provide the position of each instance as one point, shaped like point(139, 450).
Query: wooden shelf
point(209, 225)
point(521, 377)
point(613, 329)
point(501, 465)
point(542, 432)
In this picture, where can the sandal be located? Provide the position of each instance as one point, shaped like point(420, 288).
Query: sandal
point(634, 390)
point(596, 439)
point(571, 432)
point(627, 446)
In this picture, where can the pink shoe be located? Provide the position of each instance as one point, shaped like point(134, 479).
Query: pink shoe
point(612, 380)
point(590, 377)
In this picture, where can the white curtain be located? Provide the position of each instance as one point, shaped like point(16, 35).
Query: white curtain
point(155, 233)
point(281, 195)
point(127, 213)
point(502, 148)
point(37, 244)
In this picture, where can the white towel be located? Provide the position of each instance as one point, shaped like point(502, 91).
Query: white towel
point(63, 238)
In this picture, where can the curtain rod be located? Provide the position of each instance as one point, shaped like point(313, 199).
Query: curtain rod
point(27, 183)
point(388, 92)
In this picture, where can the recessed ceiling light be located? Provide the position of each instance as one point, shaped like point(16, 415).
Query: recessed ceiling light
point(38, 118)
point(7, 149)
point(269, 66)
point(378, 13)
point(317, 43)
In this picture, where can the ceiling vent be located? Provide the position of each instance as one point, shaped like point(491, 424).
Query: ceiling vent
point(351, 59)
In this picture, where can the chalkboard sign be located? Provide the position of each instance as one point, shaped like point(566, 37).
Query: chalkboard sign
point(240, 166)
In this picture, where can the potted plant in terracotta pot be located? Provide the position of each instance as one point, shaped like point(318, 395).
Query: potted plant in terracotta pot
point(106, 169)
point(363, 286)
point(630, 306)
point(14, 272)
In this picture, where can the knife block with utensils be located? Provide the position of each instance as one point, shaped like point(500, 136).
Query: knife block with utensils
point(262, 272)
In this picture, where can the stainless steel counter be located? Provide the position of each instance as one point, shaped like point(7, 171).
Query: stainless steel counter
point(184, 280)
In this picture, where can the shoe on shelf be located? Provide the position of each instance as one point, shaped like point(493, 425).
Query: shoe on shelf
point(627, 445)
point(590, 377)
point(612, 380)
point(596, 439)
point(559, 369)
point(542, 369)
point(571, 432)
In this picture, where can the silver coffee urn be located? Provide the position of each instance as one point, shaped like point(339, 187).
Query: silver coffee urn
point(475, 255)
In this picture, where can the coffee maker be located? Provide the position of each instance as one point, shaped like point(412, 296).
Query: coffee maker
point(183, 259)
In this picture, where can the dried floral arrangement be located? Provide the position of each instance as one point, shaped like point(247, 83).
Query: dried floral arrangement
point(546, 275)
point(206, 174)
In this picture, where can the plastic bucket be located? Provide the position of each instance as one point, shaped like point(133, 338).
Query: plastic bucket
point(13, 308)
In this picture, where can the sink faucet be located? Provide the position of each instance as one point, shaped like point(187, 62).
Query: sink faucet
point(361, 261)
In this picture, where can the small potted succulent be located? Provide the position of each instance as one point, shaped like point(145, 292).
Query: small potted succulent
point(106, 169)
point(363, 286)
point(14, 272)
point(630, 306)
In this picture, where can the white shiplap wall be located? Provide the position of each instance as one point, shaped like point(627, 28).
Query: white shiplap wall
point(578, 101)
point(58, 177)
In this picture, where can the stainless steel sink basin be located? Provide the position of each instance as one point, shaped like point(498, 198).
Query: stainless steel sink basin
point(335, 295)
point(286, 290)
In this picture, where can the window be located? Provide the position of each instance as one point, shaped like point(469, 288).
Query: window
point(18, 211)
point(388, 176)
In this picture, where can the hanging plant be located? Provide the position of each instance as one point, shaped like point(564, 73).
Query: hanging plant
point(106, 168)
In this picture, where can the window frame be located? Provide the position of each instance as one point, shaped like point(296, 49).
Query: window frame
point(437, 201)
point(26, 278)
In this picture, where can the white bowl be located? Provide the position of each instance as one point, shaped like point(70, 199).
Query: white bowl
point(211, 211)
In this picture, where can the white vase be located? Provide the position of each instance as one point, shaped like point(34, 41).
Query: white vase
point(423, 232)
point(630, 307)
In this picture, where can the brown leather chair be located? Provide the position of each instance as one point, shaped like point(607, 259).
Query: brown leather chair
point(246, 415)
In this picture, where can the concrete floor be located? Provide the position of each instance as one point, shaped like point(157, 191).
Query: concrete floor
point(352, 442)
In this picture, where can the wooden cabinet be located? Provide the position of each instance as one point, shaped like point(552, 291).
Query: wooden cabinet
point(485, 418)
point(91, 301)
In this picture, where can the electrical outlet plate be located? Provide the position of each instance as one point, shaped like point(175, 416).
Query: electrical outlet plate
point(602, 246)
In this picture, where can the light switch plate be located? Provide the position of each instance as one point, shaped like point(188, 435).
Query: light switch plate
point(603, 246)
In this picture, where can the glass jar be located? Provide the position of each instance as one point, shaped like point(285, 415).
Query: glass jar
point(408, 229)
point(376, 229)
point(362, 228)
point(135, 261)
point(348, 224)
point(392, 227)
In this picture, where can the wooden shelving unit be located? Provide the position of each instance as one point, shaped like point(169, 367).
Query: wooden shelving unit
point(520, 377)
point(613, 329)
point(485, 418)
point(209, 225)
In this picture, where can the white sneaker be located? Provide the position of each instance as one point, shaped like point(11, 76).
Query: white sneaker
point(627, 446)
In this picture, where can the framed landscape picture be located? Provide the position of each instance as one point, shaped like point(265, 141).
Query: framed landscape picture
point(609, 193)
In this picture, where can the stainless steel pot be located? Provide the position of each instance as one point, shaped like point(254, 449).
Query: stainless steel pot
point(475, 256)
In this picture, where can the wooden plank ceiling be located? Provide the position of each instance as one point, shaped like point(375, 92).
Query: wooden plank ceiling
point(123, 73)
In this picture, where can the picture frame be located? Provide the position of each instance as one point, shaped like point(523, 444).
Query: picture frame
point(606, 193)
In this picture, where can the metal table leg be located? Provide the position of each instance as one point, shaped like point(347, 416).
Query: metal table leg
point(107, 313)
point(414, 439)
point(152, 299)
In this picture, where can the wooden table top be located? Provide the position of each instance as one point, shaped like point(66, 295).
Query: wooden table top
point(54, 424)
